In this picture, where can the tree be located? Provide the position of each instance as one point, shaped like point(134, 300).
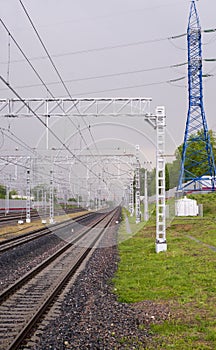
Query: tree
point(72, 199)
point(2, 191)
point(167, 178)
point(12, 193)
point(196, 160)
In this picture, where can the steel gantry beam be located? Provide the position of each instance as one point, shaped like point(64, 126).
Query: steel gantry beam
point(103, 107)
point(84, 107)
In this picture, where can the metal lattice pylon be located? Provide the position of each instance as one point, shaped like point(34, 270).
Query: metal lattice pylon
point(197, 163)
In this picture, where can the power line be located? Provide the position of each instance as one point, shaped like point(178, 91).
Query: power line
point(130, 86)
point(39, 77)
point(105, 48)
point(45, 49)
point(53, 64)
point(106, 75)
point(111, 47)
point(45, 125)
point(21, 143)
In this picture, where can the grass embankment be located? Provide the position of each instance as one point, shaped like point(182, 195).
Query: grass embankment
point(182, 278)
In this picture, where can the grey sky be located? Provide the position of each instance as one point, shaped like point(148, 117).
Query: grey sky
point(90, 40)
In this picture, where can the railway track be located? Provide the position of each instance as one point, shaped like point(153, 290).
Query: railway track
point(11, 218)
point(35, 234)
point(14, 217)
point(24, 303)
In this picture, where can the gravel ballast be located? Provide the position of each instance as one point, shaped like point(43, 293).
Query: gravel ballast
point(90, 316)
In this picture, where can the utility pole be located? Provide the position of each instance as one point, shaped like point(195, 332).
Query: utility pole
point(145, 199)
point(44, 207)
point(146, 213)
point(161, 244)
point(51, 199)
point(28, 197)
point(7, 205)
point(131, 197)
point(137, 179)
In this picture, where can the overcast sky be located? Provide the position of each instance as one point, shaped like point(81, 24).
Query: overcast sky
point(115, 48)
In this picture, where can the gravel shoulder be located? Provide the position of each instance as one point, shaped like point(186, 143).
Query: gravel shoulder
point(90, 317)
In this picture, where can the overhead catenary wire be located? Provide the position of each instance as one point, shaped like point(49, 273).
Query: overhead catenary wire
point(21, 143)
point(39, 157)
point(38, 75)
point(9, 58)
point(54, 66)
point(46, 126)
point(58, 179)
point(170, 81)
point(44, 47)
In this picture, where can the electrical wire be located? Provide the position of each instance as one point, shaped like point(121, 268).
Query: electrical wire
point(53, 65)
point(24, 145)
point(130, 87)
point(37, 74)
point(8, 161)
point(111, 47)
point(107, 75)
point(46, 126)
point(105, 48)
point(9, 59)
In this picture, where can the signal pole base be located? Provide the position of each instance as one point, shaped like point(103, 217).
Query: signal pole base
point(161, 247)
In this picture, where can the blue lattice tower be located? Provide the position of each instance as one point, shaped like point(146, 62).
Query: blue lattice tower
point(197, 163)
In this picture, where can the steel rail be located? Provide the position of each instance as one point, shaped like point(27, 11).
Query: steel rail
point(51, 279)
point(35, 234)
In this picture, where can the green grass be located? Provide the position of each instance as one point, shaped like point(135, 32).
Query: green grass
point(208, 201)
point(123, 234)
point(184, 277)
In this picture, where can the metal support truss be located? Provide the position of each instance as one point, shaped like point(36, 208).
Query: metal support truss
point(197, 151)
point(7, 202)
point(146, 212)
point(51, 199)
point(84, 107)
point(161, 244)
point(137, 179)
point(115, 107)
point(28, 197)
point(131, 197)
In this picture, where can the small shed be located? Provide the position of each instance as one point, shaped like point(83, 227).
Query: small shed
point(186, 207)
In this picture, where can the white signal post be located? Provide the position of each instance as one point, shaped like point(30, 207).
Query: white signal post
point(161, 244)
point(131, 197)
point(7, 202)
point(28, 197)
point(146, 213)
point(137, 178)
point(51, 199)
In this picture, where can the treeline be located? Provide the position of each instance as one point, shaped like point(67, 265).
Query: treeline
point(196, 160)
point(3, 192)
